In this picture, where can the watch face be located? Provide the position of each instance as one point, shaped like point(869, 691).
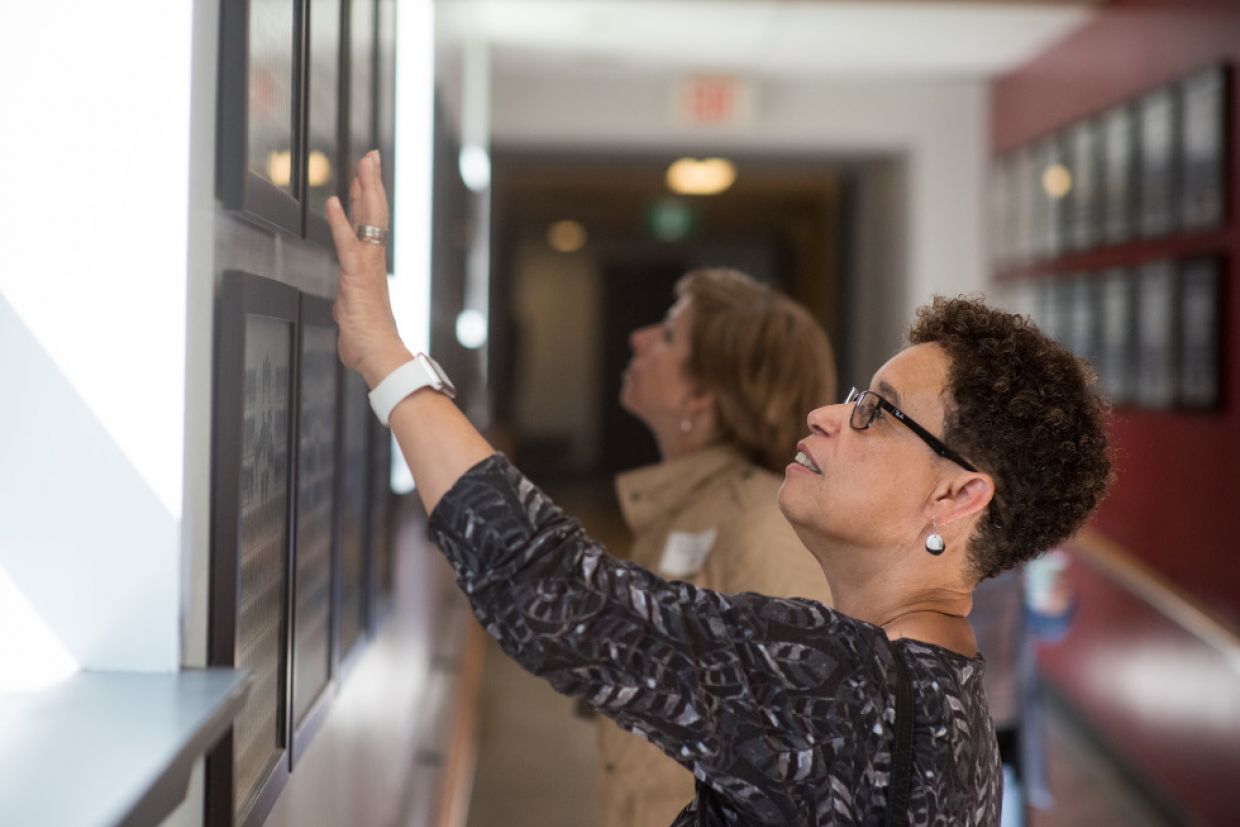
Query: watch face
point(445, 384)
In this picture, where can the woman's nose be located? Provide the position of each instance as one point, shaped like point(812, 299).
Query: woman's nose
point(639, 337)
point(825, 420)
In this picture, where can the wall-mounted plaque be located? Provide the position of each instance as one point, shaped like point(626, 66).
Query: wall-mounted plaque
point(324, 161)
point(1118, 174)
point(385, 105)
point(1001, 211)
point(382, 549)
point(1203, 124)
point(313, 564)
point(250, 538)
point(258, 168)
point(354, 465)
point(1082, 208)
point(1158, 167)
point(1117, 347)
point(1024, 192)
point(1046, 208)
point(1200, 341)
point(1157, 314)
point(361, 120)
point(1083, 333)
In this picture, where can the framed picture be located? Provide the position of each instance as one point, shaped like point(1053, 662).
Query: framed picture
point(360, 123)
point(379, 534)
point(385, 106)
point(1024, 191)
point(250, 542)
point(1117, 345)
point(1082, 335)
point(1158, 116)
point(353, 568)
point(1204, 141)
point(315, 527)
point(1054, 307)
point(1046, 206)
point(259, 164)
point(1082, 213)
point(1200, 334)
point(1000, 217)
point(1157, 335)
point(325, 171)
point(1119, 166)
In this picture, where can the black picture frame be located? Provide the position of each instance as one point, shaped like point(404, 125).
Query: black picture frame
point(1045, 210)
point(1083, 332)
point(353, 564)
point(1204, 147)
point(385, 108)
point(360, 75)
point(316, 524)
point(1157, 335)
point(1024, 191)
point(1082, 207)
point(326, 99)
point(1158, 116)
point(381, 549)
point(1117, 345)
point(259, 80)
point(251, 541)
point(1119, 174)
point(1201, 341)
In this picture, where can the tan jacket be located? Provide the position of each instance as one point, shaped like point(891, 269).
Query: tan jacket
point(711, 519)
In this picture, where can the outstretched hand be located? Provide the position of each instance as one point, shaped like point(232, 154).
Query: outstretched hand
point(369, 342)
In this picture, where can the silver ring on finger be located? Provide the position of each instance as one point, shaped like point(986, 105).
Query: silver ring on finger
point(371, 234)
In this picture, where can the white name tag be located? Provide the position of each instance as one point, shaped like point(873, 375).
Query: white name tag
point(685, 552)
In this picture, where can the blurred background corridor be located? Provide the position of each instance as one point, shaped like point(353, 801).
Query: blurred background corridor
point(218, 605)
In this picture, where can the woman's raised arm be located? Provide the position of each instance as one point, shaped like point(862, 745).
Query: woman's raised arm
point(437, 441)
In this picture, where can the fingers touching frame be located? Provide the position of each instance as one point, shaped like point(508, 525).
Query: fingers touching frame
point(367, 203)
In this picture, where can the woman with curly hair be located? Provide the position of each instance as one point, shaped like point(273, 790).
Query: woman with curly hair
point(977, 446)
point(723, 382)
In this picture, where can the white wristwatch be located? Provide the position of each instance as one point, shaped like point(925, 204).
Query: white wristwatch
point(420, 372)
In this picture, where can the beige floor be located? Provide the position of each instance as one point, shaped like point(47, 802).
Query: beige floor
point(536, 757)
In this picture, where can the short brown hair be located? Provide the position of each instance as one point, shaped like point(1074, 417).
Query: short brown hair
point(1027, 412)
point(765, 358)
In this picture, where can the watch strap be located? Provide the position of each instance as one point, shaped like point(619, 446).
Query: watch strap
point(419, 372)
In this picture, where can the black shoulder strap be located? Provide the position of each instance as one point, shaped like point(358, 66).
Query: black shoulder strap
point(902, 750)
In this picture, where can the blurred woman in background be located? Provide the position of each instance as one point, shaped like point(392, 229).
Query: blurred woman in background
point(723, 383)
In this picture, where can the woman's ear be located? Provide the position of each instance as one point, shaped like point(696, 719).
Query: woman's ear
point(961, 497)
point(699, 402)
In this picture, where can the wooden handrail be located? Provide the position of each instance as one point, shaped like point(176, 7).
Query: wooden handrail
point(1161, 594)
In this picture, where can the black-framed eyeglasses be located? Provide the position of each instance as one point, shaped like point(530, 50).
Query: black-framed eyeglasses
point(866, 405)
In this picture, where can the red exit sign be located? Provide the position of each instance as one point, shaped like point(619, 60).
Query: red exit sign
point(713, 100)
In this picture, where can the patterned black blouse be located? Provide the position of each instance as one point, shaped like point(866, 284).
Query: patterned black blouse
point(783, 709)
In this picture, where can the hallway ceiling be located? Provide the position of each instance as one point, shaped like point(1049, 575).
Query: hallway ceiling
point(778, 38)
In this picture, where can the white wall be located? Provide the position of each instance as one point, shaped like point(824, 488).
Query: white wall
point(96, 156)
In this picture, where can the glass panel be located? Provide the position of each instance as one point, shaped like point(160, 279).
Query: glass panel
point(353, 516)
point(315, 501)
point(270, 139)
point(258, 733)
point(322, 140)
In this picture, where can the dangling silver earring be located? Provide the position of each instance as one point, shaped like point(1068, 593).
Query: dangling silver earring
point(934, 542)
point(686, 425)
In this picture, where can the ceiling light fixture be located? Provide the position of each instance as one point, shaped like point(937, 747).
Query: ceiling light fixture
point(566, 236)
point(705, 176)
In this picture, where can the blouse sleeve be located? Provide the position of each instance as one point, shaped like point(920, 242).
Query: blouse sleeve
point(749, 692)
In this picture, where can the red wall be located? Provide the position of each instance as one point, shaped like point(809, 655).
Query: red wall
point(1165, 700)
point(1174, 503)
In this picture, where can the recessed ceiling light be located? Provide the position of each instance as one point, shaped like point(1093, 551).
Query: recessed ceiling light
point(705, 176)
point(566, 236)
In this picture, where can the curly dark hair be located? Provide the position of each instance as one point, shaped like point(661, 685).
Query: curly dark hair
point(1024, 410)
